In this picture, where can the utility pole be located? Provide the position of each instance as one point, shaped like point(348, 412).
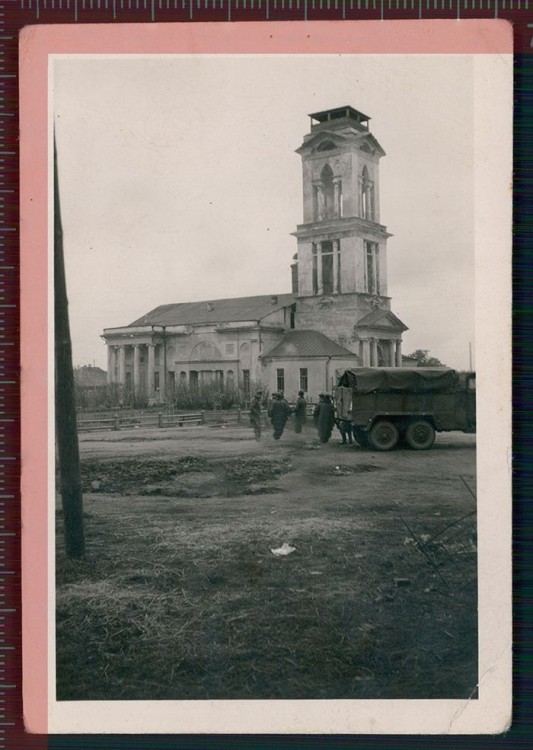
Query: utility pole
point(66, 428)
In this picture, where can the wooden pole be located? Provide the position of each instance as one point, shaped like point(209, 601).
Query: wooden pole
point(66, 428)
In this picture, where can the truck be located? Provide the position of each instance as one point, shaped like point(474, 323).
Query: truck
point(388, 406)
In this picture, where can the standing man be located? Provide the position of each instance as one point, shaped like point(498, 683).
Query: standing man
point(278, 412)
point(324, 417)
point(255, 414)
point(300, 412)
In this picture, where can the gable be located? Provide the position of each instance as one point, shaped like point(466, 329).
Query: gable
point(384, 320)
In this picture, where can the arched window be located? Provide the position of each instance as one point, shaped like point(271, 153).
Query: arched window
point(367, 195)
point(183, 377)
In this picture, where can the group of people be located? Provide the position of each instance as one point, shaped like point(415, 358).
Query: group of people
point(279, 412)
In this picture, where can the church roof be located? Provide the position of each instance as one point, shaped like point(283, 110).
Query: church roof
point(384, 319)
point(307, 344)
point(235, 309)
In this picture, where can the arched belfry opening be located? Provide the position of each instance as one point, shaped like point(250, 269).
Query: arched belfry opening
point(327, 195)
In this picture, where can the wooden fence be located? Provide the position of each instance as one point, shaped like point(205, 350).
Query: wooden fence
point(124, 422)
point(121, 421)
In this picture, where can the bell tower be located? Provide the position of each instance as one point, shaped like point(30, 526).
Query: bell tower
point(341, 263)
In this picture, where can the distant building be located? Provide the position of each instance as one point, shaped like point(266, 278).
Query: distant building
point(90, 385)
point(337, 316)
point(90, 378)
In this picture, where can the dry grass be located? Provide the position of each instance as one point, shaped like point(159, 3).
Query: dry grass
point(182, 598)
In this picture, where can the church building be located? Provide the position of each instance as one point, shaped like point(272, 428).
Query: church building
point(337, 316)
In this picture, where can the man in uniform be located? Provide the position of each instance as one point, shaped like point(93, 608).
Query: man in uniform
point(278, 412)
point(324, 417)
point(300, 412)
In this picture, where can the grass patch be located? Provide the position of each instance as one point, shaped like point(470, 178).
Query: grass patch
point(177, 605)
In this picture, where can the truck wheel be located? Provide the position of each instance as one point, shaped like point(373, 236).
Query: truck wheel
point(420, 435)
point(383, 436)
point(360, 437)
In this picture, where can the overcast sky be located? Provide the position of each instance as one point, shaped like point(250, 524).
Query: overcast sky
point(179, 182)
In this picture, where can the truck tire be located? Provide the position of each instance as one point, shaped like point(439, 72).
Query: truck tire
point(360, 436)
point(383, 435)
point(420, 435)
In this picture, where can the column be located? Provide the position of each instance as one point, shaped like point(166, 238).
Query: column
point(373, 353)
point(121, 365)
point(366, 352)
point(337, 199)
point(162, 375)
point(335, 266)
point(151, 369)
point(399, 353)
point(110, 364)
point(319, 267)
point(320, 202)
point(136, 368)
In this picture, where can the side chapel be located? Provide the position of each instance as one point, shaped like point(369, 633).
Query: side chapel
point(337, 316)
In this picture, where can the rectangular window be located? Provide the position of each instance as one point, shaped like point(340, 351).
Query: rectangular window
point(304, 383)
point(128, 380)
point(171, 378)
point(193, 378)
point(280, 379)
point(156, 381)
point(246, 381)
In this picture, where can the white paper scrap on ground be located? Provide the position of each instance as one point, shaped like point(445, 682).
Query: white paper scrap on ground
point(285, 549)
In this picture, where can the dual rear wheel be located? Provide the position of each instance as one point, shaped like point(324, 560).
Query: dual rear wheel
point(384, 435)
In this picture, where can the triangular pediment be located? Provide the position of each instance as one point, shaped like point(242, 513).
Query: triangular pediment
point(329, 140)
point(384, 320)
point(324, 141)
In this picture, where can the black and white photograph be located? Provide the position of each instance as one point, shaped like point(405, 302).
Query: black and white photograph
point(271, 265)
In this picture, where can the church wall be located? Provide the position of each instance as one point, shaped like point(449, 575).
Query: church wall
point(383, 267)
point(321, 374)
point(348, 264)
point(305, 268)
point(307, 175)
point(360, 261)
point(333, 316)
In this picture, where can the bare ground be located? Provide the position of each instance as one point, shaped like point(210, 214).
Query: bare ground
point(180, 595)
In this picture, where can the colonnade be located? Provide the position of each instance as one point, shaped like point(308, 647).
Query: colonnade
point(369, 352)
point(116, 367)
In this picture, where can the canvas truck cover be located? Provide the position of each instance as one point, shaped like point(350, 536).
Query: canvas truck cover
point(400, 379)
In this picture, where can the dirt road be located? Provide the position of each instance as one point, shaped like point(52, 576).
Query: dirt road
point(378, 598)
